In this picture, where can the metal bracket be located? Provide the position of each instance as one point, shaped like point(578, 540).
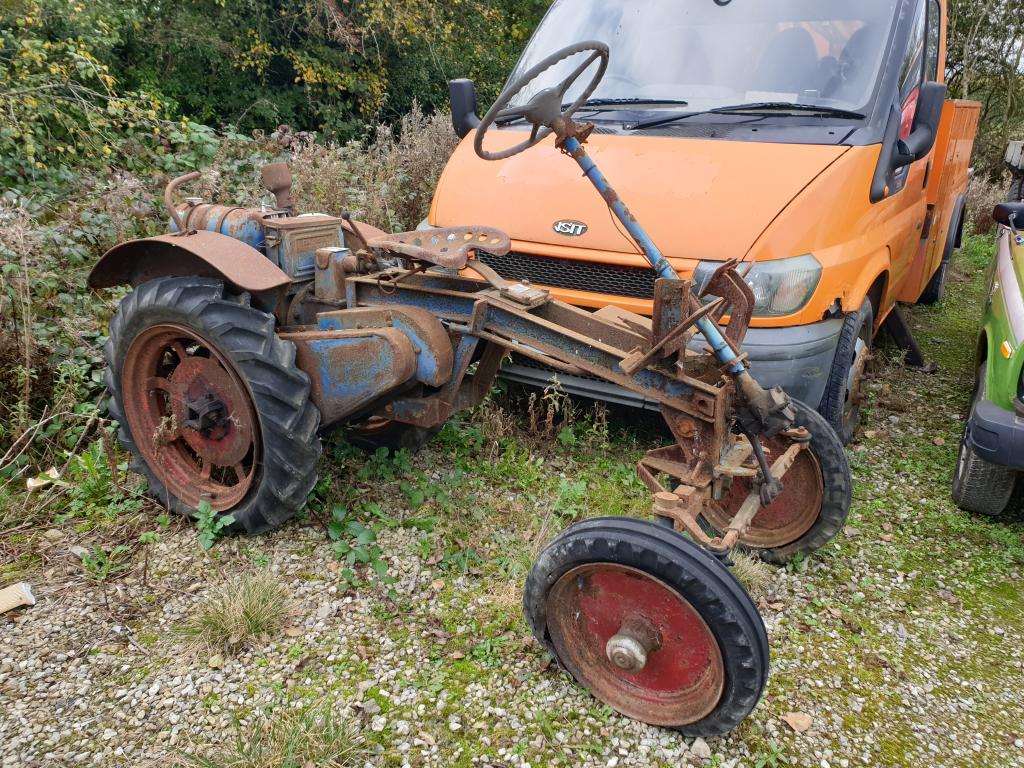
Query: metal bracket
point(739, 301)
point(899, 329)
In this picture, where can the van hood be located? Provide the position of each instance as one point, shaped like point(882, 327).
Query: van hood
point(698, 198)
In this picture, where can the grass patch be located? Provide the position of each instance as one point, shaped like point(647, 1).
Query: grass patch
point(309, 738)
point(240, 613)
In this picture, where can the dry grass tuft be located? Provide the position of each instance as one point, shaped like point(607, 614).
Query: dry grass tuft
point(983, 196)
point(387, 182)
point(309, 738)
point(240, 613)
point(753, 573)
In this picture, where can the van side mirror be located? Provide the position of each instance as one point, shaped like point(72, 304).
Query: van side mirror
point(464, 115)
point(1009, 215)
point(926, 126)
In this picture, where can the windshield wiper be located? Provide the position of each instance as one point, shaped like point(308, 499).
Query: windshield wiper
point(608, 103)
point(754, 108)
point(630, 102)
point(785, 106)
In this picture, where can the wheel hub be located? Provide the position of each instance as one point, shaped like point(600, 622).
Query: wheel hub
point(636, 639)
point(789, 516)
point(192, 416)
point(636, 643)
point(205, 404)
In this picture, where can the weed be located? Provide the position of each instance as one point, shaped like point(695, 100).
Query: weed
point(93, 492)
point(571, 502)
point(355, 544)
point(772, 758)
point(210, 524)
point(102, 564)
point(314, 737)
point(240, 613)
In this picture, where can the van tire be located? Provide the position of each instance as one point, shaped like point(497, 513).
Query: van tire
point(841, 404)
point(936, 288)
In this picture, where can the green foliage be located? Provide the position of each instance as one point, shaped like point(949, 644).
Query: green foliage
point(93, 495)
point(59, 104)
point(774, 757)
point(94, 83)
point(210, 524)
point(355, 544)
point(985, 57)
point(102, 564)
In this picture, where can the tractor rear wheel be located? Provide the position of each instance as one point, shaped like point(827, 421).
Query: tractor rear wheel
point(815, 499)
point(211, 404)
point(651, 624)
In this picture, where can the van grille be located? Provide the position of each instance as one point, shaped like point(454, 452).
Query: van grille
point(610, 279)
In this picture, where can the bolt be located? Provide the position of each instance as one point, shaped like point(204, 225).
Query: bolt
point(636, 639)
point(627, 653)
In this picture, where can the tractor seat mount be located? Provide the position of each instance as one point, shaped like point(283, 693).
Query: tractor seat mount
point(448, 247)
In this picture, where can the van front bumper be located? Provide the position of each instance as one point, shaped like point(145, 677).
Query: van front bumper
point(799, 359)
point(996, 435)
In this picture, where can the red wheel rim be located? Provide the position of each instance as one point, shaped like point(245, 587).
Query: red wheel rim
point(790, 516)
point(191, 415)
point(684, 676)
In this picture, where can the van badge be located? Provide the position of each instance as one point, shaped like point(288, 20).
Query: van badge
point(571, 228)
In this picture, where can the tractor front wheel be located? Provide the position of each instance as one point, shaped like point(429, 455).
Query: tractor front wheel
point(211, 404)
point(651, 624)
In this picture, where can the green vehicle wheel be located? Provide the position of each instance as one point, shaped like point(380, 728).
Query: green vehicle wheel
point(978, 485)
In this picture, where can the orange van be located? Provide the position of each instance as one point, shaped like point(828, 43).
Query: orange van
point(802, 136)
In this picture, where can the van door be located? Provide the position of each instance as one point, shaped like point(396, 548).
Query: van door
point(909, 196)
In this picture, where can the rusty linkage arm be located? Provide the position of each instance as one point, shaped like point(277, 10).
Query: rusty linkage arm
point(169, 199)
point(684, 505)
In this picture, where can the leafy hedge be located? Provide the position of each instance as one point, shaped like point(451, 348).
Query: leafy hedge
point(122, 84)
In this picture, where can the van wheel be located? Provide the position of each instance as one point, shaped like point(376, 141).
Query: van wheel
point(936, 287)
point(843, 398)
point(978, 485)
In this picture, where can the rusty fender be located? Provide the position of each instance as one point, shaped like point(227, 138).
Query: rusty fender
point(348, 370)
point(200, 254)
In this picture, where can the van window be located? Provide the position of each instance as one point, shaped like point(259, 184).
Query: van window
point(931, 65)
point(912, 70)
point(823, 52)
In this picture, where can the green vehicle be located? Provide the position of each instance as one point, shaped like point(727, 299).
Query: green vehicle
point(991, 459)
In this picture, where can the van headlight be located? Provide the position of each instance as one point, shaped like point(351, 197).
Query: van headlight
point(780, 287)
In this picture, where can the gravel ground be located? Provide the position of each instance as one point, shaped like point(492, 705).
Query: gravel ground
point(899, 645)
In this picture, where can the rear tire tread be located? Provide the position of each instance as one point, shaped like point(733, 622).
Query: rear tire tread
point(288, 419)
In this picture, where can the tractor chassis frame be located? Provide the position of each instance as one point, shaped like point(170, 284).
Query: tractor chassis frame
point(486, 321)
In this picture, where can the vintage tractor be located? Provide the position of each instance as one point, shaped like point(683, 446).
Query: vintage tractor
point(249, 330)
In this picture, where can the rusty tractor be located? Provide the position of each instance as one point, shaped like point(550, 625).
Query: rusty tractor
point(249, 330)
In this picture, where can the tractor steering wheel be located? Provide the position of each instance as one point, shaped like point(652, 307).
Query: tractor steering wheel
point(545, 108)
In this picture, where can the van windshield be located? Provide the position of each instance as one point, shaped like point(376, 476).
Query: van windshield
point(711, 55)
